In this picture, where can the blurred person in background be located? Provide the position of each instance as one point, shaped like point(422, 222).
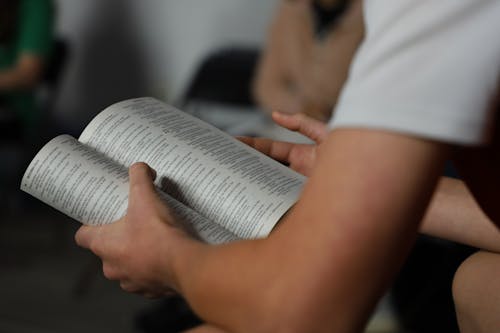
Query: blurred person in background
point(306, 60)
point(26, 38)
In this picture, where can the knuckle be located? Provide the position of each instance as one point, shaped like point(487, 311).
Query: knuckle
point(109, 272)
point(127, 288)
point(80, 237)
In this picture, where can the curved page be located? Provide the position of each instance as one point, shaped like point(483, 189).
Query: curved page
point(228, 182)
point(93, 189)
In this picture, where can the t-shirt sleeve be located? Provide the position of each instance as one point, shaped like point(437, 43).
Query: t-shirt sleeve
point(36, 27)
point(426, 68)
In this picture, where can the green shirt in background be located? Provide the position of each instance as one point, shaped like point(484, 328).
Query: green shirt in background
point(34, 35)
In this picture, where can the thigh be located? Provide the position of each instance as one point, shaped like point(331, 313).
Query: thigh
point(476, 291)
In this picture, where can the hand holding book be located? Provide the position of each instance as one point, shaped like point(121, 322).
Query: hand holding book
point(87, 180)
point(137, 249)
point(224, 188)
point(148, 269)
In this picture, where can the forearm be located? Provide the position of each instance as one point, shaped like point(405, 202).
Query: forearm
point(222, 285)
point(24, 75)
point(317, 262)
point(454, 215)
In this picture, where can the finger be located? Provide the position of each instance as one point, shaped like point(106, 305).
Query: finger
point(278, 150)
point(141, 178)
point(134, 288)
point(129, 286)
point(110, 272)
point(246, 140)
point(313, 129)
point(84, 236)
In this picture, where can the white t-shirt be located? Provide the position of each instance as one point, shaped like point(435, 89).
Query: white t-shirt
point(428, 68)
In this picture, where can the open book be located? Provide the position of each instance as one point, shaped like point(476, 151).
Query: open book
point(224, 189)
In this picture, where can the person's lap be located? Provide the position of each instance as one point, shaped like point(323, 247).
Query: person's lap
point(476, 291)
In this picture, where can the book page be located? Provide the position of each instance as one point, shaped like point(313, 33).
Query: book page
point(223, 179)
point(92, 189)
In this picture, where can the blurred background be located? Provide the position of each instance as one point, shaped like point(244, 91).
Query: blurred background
point(202, 56)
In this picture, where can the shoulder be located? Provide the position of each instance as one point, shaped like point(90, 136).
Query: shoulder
point(424, 69)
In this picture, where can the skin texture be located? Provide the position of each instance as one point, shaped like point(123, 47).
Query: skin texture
point(300, 157)
point(320, 271)
point(475, 291)
point(455, 215)
point(112, 242)
point(298, 73)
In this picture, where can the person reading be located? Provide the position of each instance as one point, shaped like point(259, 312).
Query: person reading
point(407, 107)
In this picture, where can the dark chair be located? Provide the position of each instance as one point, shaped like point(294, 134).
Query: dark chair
point(10, 126)
point(225, 76)
point(49, 87)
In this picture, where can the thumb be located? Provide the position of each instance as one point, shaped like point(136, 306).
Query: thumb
point(84, 236)
point(312, 128)
point(141, 178)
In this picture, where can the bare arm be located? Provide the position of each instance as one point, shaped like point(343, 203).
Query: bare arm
point(454, 215)
point(25, 74)
point(358, 217)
